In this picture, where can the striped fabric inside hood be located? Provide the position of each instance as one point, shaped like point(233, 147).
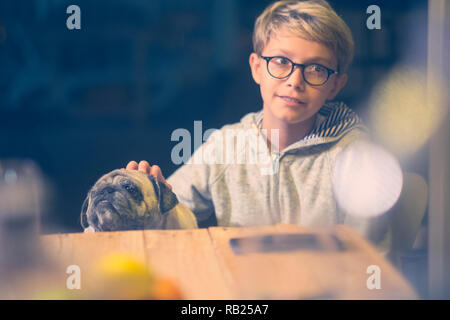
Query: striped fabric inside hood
point(334, 120)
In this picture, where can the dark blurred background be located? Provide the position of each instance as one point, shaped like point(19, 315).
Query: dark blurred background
point(84, 102)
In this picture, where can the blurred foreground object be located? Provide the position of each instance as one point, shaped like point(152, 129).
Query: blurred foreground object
point(406, 108)
point(122, 276)
point(21, 200)
point(367, 180)
point(116, 276)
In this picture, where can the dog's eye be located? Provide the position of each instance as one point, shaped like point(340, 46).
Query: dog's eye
point(133, 190)
point(130, 189)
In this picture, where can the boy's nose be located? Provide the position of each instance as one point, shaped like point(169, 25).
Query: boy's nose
point(296, 79)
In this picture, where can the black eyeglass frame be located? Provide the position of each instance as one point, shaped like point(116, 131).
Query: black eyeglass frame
point(302, 67)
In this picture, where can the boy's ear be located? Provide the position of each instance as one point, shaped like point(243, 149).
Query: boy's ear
point(339, 83)
point(255, 66)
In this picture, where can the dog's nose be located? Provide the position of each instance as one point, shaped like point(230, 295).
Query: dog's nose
point(105, 193)
point(108, 190)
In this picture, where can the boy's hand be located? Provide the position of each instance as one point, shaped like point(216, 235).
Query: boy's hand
point(154, 170)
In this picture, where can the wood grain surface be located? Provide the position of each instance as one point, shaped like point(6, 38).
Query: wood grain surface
point(204, 266)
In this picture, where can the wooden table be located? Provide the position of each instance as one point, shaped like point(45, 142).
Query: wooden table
point(205, 267)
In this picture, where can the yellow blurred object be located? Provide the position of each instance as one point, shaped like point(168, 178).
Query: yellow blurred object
point(407, 108)
point(122, 276)
point(58, 294)
point(119, 264)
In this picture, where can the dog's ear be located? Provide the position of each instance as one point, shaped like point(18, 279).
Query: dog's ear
point(83, 216)
point(166, 198)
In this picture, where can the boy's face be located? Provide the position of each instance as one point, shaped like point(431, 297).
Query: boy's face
point(309, 99)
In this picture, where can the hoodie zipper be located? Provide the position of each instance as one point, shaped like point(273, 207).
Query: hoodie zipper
point(274, 176)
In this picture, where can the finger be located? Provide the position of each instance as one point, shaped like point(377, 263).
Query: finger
point(155, 171)
point(132, 165)
point(144, 166)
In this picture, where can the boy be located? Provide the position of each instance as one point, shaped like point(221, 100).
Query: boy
point(302, 52)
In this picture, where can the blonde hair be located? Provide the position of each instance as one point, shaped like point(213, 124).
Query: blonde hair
point(313, 20)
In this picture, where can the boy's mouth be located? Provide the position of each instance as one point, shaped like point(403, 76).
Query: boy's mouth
point(291, 101)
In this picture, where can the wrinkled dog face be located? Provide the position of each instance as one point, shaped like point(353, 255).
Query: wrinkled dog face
point(126, 200)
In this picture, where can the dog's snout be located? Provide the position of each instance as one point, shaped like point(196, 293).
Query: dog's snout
point(108, 190)
point(105, 193)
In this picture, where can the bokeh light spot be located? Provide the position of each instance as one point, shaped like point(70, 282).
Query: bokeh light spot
point(367, 180)
point(406, 108)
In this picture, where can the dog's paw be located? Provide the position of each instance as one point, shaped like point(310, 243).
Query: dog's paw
point(89, 230)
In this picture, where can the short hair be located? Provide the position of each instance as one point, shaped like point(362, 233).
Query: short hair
point(313, 20)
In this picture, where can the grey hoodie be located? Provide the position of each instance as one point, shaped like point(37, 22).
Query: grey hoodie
point(292, 186)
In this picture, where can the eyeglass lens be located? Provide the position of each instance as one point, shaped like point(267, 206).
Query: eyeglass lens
point(313, 73)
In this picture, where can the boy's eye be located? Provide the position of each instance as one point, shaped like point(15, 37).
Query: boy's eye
point(316, 68)
point(281, 60)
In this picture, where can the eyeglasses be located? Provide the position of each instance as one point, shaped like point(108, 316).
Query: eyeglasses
point(314, 74)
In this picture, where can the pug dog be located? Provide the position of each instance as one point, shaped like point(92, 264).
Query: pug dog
point(131, 200)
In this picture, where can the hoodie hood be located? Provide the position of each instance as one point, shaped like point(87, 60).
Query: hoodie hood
point(334, 120)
